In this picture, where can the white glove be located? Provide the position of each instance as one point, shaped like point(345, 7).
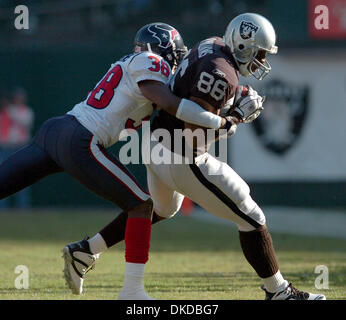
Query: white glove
point(247, 103)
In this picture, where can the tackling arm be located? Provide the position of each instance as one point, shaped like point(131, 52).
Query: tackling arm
point(232, 120)
point(183, 109)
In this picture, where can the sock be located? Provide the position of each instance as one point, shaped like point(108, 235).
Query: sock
point(259, 251)
point(97, 244)
point(134, 274)
point(137, 240)
point(114, 232)
point(275, 282)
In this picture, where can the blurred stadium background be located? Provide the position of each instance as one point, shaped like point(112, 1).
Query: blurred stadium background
point(293, 157)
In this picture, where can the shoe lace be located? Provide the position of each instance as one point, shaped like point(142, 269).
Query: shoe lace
point(93, 258)
point(86, 269)
point(301, 295)
point(92, 266)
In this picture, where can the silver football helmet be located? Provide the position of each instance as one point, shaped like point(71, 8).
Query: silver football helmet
point(249, 36)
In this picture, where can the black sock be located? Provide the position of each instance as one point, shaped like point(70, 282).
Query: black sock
point(114, 232)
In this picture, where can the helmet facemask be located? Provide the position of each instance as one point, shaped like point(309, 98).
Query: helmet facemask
point(174, 55)
point(255, 67)
point(248, 58)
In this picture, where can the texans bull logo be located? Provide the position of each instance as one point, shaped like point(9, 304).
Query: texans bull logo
point(282, 120)
point(163, 35)
point(247, 29)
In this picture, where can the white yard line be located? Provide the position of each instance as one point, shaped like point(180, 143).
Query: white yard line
point(315, 222)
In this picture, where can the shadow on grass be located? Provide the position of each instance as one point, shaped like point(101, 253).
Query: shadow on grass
point(183, 282)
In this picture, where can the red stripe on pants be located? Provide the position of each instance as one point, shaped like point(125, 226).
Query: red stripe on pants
point(137, 240)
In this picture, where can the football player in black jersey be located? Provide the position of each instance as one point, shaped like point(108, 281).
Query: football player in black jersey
point(208, 75)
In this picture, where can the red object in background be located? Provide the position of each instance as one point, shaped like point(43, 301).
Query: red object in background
point(187, 207)
point(336, 19)
point(15, 122)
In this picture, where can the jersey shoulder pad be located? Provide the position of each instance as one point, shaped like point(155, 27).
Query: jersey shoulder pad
point(148, 66)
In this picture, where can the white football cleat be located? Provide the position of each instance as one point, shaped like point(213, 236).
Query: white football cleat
point(140, 294)
point(78, 261)
point(291, 293)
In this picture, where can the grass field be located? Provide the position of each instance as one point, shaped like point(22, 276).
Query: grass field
point(189, 259)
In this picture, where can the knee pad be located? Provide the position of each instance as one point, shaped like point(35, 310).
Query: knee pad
point(252, 210)
point(167, 211)
point(167, 208)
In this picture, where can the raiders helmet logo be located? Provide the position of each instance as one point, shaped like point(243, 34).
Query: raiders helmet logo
point(247, 29)
point(163, 35)
point(282, 120)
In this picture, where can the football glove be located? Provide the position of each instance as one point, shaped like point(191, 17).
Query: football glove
point(231, 125)
point(247, 103)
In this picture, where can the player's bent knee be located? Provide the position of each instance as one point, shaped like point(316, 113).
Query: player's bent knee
point(254, 212)
point(167, 209)
point(258, 215)
point(149, 202)
point(143, 210)
point(166, 213)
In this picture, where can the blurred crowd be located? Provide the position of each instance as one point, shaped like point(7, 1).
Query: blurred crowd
point(215, 6)
point(16, 122)
point(56, 22)
point(13, 3)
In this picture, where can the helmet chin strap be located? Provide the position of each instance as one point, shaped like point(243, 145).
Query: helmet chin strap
point(243, 69)
point(149, 47)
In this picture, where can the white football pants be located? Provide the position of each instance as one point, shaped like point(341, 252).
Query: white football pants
point(210, 183)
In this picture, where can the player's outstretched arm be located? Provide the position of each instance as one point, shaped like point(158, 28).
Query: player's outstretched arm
point(184, 109)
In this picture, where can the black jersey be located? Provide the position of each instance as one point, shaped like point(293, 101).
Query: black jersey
point(208, 72)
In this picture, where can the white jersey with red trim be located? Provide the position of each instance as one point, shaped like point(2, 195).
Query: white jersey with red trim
point(116, 102)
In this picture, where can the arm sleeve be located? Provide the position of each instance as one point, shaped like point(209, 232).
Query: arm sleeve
point(149, 66)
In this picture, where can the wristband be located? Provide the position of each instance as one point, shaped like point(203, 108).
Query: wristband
point(192, 112)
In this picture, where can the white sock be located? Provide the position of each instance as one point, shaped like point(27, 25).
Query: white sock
point(276, 281)
point(134, 274)
point(97, 244)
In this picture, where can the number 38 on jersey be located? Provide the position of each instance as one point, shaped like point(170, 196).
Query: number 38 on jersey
point(103, 93)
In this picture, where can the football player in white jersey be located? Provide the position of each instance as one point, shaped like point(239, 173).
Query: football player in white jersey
point(75, 143)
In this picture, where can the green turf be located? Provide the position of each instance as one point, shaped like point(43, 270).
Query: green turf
point(189, 259)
